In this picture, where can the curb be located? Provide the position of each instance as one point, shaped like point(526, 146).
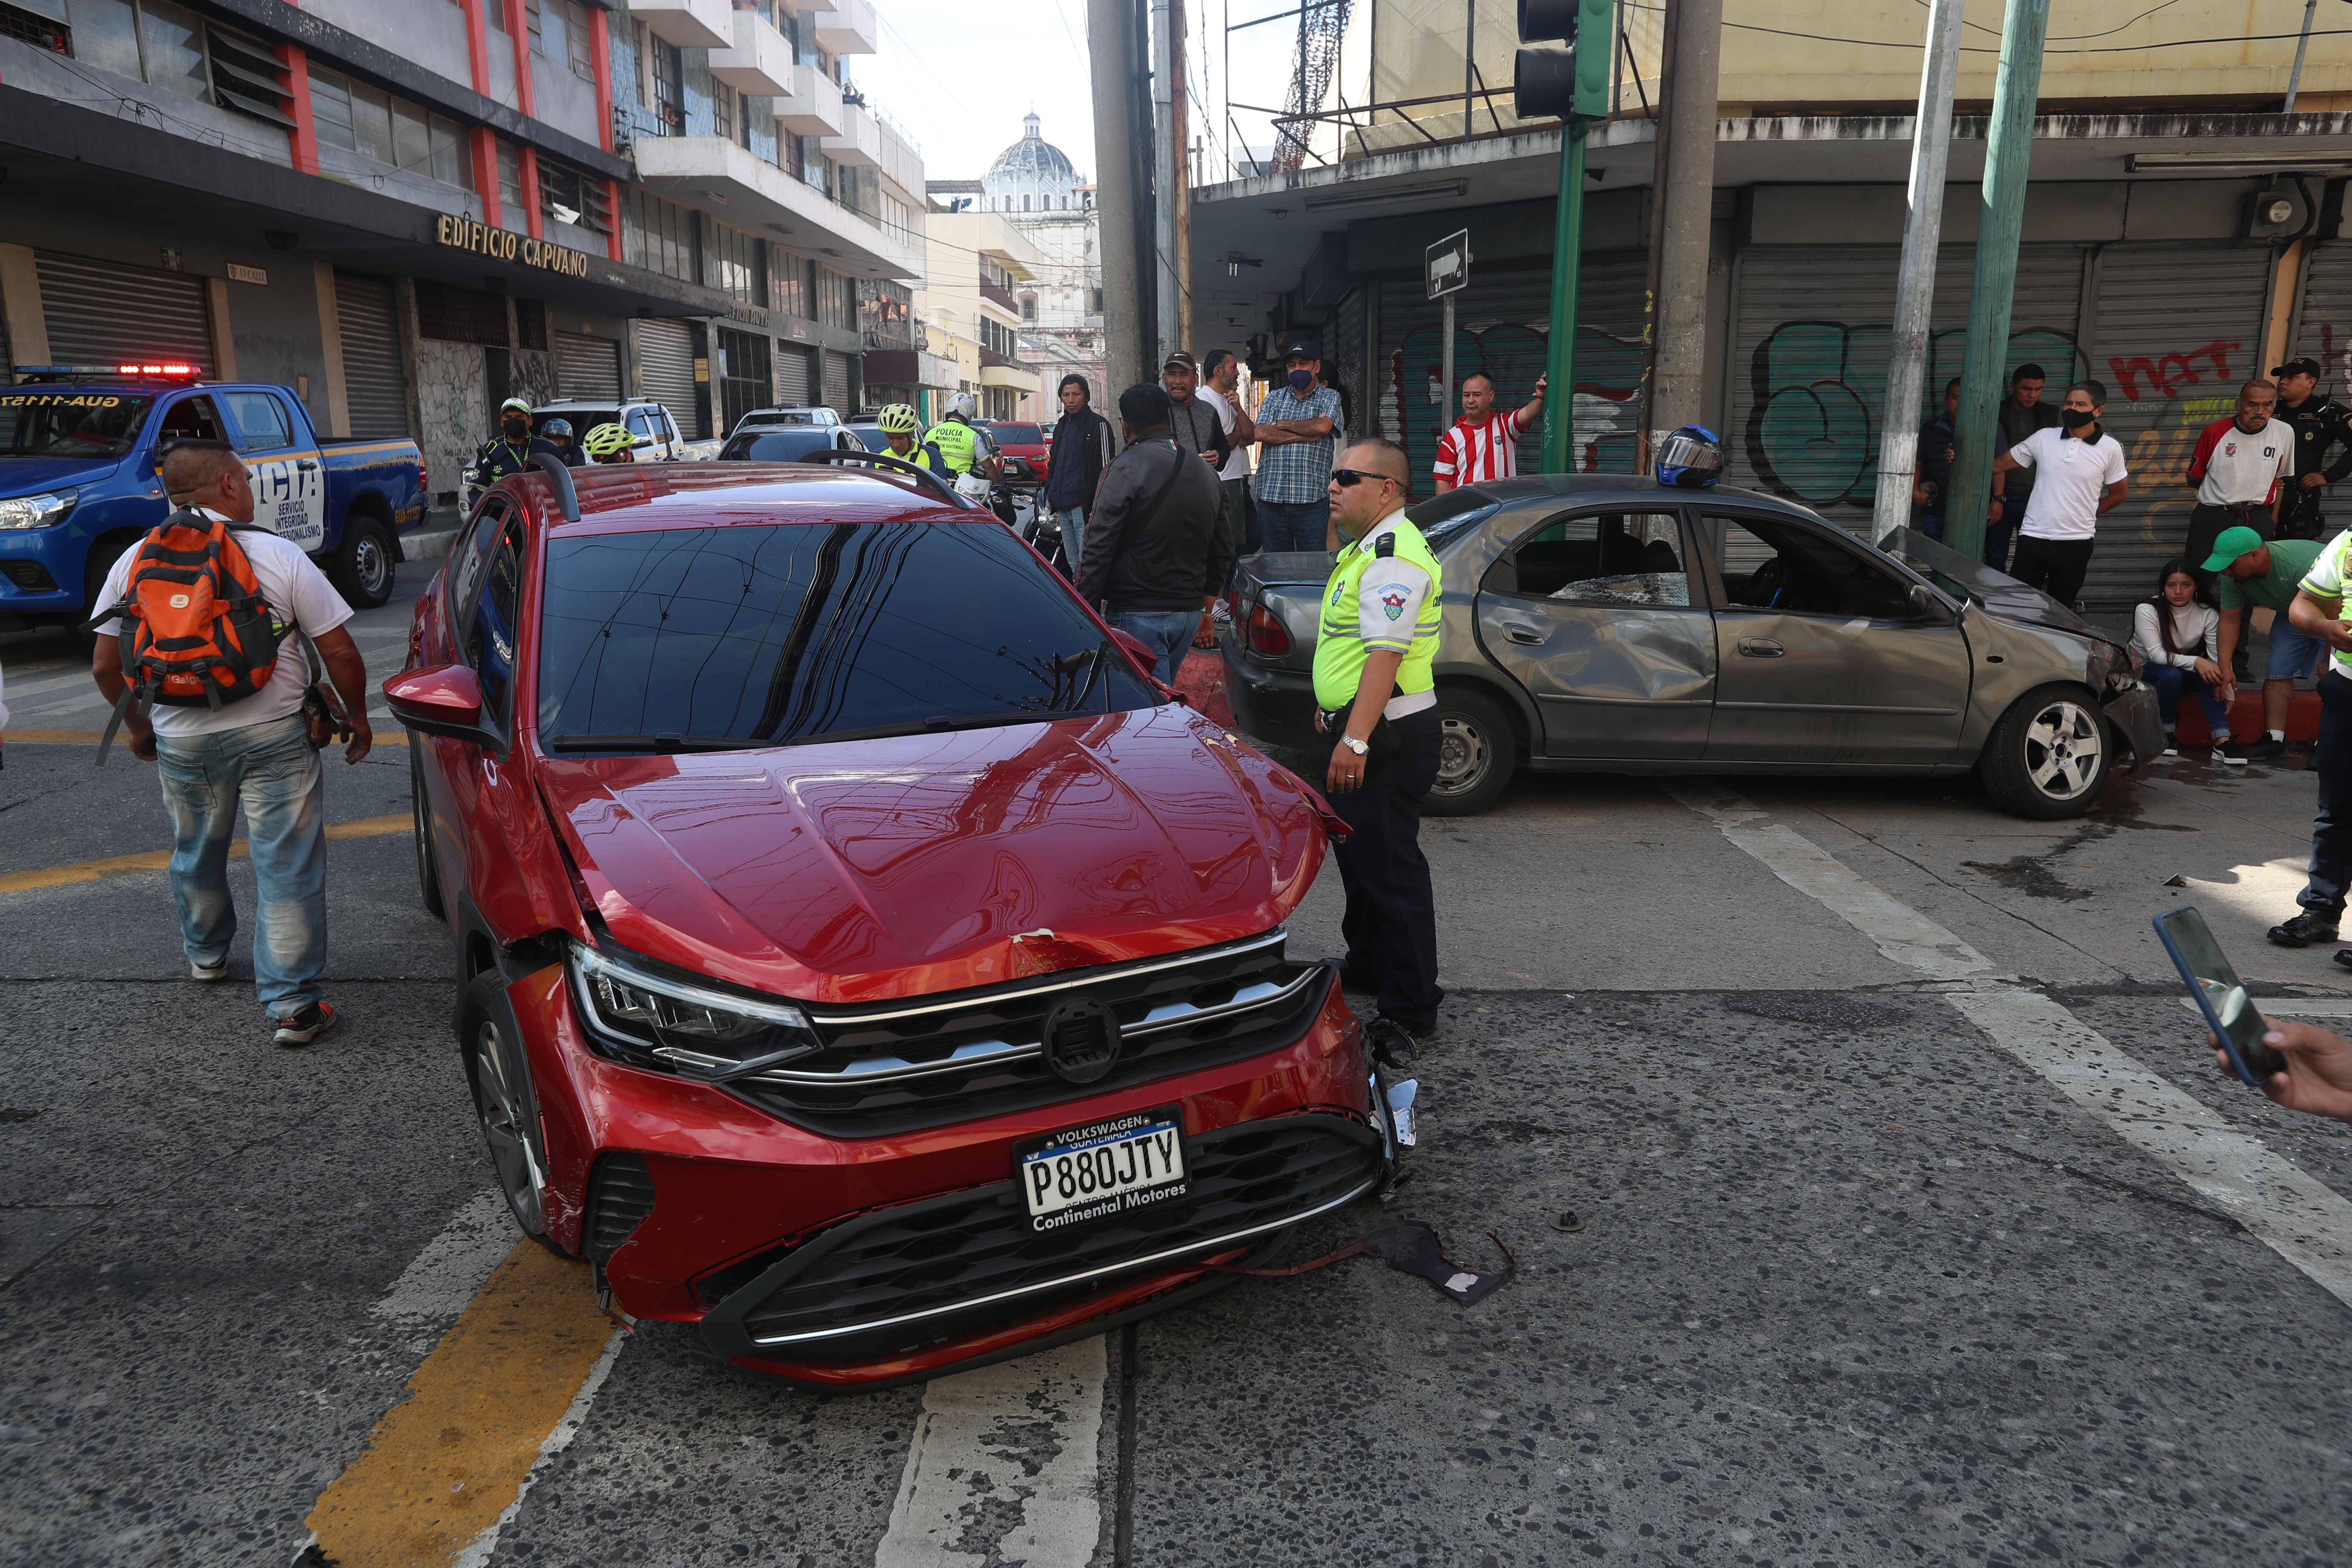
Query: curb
point(427, 546)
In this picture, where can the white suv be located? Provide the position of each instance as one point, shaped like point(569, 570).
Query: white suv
point(758, 417)
point(650, 423)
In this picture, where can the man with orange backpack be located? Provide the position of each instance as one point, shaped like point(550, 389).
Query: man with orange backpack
point(205, 625)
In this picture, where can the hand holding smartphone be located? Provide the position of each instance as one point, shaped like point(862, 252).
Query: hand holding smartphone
point(2220, 994)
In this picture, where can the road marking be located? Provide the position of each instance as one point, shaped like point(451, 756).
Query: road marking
point(439, 1280)
point(2302, 1219)
point(90, 737)
point(978, 1448)
point(2292, 1006)
point(160, 859)
point(507, 1384)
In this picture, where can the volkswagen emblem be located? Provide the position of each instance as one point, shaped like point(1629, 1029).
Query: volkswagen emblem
point(1080, 1040)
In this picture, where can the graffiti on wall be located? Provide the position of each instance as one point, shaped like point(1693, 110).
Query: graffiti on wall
point(2130, 379)
point(1415, 409)
point(1817, 390)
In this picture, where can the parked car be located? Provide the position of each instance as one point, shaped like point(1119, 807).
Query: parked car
point(869, 435)
point(1602, 623)
point(78, 486)
point(760, 416)
point(1022, 446)
point(874, 968)
point(789, 443)
point(657, 431)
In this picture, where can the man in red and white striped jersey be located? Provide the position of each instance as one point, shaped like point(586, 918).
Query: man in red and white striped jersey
point(1482, 444)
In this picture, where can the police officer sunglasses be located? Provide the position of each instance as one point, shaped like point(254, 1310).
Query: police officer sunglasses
point(1344, 477)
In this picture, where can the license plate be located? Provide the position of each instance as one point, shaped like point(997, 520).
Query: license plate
point(1104, 1168)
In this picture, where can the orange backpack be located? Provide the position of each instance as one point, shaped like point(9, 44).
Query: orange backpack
point(195, 629)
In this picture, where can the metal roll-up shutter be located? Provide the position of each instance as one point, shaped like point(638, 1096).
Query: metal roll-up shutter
point(2324, 329)
point(102, 313)
point(2179, 330)
point(374, 383)
point(666, 352)
point(1502, 324)
point(836, 381)
point(1814, 328)
point(588, 367)
point(792, 376)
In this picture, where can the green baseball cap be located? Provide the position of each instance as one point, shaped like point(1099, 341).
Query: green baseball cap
point(2233, 542)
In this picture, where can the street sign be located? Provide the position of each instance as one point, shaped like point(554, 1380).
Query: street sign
point(1447, 263)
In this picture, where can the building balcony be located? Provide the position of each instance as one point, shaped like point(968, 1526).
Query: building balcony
point(908, 367)
point(860, 141)
point(813, 108)
point(1008, 373)
point(845, 27)
point(902, 162)
point(998, 295)
point(713, 175)
point(760, 63)
point(689, 24)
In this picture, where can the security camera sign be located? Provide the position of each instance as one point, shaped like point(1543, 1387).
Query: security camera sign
point(1447, 263)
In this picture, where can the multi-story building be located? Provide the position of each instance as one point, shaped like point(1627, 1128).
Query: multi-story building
point(409, 210)
point(968, 302)
point(1034, 184)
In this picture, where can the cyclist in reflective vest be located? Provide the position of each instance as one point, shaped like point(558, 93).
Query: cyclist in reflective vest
point(970, 454)
point(1376, 696)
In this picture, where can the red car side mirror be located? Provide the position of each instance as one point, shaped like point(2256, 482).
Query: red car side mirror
point(445, 702)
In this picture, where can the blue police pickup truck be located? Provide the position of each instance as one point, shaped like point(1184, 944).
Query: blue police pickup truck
point(78, 452)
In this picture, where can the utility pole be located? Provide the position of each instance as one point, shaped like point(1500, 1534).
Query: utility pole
point(1168, 176)
point(1110, 46)
point(1915, 289)
point(2294, 80)
point(1573, 85)
point(1180, 186)
point(2009, 147)
point(1688, 227)
point(1661, 149)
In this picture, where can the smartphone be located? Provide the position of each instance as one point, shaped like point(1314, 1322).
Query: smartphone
point(2221, 995)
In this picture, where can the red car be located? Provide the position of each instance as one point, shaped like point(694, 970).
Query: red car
point(860, 957)
point(1023, 448)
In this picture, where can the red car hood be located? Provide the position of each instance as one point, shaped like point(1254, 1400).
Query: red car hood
point(892, 868)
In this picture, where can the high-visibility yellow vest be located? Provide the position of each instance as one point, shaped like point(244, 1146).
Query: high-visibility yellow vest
point(1340, 648)
point(958, 442)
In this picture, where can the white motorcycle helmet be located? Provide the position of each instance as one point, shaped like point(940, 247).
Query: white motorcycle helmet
point(964, 403)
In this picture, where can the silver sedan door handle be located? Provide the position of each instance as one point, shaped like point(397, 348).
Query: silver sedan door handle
point(1760, 647)
point(1528, 635)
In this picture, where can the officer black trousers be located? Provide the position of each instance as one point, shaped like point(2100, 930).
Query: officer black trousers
point(2331, 831)
point(1392, 919)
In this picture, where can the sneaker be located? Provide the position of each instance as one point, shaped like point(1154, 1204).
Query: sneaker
point(208, 971)
point(319, 1017)
point(2228, 757)
point(2263, 750)
point(2310, 927)
point(2171, 744)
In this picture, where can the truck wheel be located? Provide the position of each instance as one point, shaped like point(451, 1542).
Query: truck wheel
point(363, 567)
point(428, 874)
point(2049, 755)
point(1477, 753)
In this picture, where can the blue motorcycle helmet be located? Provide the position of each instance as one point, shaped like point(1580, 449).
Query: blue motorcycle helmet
point(1691, 458)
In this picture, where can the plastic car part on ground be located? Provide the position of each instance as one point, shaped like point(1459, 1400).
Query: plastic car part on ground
point(1412, 1247)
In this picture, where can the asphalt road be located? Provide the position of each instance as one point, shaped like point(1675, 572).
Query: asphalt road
point(1864, 1276)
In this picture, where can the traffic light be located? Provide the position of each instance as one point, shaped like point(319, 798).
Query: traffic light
point(1560, 84)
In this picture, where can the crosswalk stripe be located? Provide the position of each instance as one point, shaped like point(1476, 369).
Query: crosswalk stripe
point(160, 859)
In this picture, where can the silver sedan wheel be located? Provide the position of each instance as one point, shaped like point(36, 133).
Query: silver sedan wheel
point(1464, 752)
point(2065, 746)
point(505, 1110)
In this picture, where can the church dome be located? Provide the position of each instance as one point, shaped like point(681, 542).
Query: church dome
point(1031, 175)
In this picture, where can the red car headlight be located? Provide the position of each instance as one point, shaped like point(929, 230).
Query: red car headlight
point(673, 1026)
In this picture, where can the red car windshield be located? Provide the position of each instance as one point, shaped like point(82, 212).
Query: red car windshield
point(772, 636)
point(1017, 435)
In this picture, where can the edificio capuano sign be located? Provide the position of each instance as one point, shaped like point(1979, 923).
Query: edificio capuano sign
point(501, 244)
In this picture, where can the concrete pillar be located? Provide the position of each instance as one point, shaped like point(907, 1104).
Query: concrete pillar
point(20, 306)
point(1679, 395)
point(223, 333)
point(337, 391)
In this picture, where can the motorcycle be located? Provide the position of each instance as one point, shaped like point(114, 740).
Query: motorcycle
point(1039, 528)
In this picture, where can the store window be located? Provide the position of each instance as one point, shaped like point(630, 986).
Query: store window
point(665, 63)
point(559, 32)
point(657, 234)
point(834, 307)
point(511, 185)
point(730, 261)
point(792, 283)
point(166, 45)
point(567, 195)
point(376, 125)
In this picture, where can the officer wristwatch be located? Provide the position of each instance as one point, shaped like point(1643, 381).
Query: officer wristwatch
point(1353, 744)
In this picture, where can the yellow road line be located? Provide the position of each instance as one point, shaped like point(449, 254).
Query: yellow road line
point(443, 1465)
point(160, 859)
point(77, 737)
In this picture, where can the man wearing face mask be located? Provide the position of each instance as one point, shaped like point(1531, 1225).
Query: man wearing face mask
point(509, 454)
point(2079, 473)
point(1298, 426)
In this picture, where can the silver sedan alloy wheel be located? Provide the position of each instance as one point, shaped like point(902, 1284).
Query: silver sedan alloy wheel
point(2065, 745)
point(506, 1118)
point(1464, 752)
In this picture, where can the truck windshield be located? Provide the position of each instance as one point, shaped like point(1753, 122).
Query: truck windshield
point(62, 424)
point(783, 634)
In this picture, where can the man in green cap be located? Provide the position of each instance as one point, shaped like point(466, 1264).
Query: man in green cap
point(2254, 573)
point(2317, 611)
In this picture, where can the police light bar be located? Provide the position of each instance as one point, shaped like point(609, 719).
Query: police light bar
point(153, 369)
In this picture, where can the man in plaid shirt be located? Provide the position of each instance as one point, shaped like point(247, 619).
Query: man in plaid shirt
point(1484, 445)
point(1298, 426)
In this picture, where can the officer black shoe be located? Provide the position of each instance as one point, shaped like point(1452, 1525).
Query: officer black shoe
point(2306, 930)
point(2344, 956)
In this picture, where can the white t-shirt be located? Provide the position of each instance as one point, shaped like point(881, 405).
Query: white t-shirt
point(2070, 476)
point(295, 591)
point(2242, 470)
point(1237, 466)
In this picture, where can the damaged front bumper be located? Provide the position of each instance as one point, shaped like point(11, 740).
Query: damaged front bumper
point(2133, 713)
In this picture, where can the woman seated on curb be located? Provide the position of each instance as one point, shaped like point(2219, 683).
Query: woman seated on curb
point(2176, 639)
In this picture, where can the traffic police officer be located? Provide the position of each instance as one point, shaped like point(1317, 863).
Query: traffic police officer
point(898, 424)
point(511, 453)
point(970, 454)
point(2319, 423)
point(1375, 693)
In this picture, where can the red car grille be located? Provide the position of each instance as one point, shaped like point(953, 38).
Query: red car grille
point(974, 1054)
point(893, 1282)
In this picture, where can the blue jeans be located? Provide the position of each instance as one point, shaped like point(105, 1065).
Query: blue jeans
point(1285, 526)
point(2293, 653)
point(1931, 524)
point(1166, 633)
point(2170, 681)
point(1073, 519)
point(272, 772)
